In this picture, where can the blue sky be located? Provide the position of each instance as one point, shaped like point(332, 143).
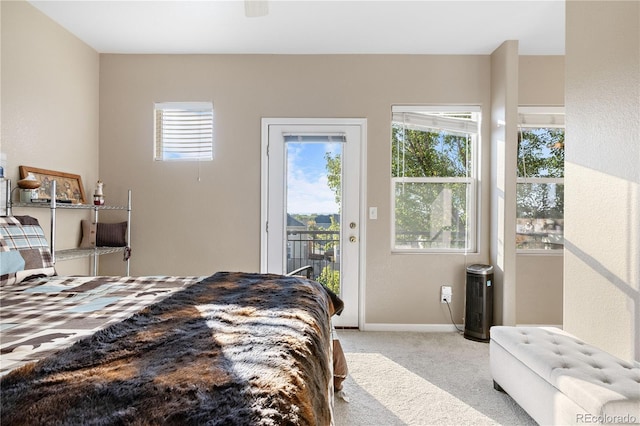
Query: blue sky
point(307, 190)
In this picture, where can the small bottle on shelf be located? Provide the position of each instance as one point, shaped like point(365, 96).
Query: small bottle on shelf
point(98, 196)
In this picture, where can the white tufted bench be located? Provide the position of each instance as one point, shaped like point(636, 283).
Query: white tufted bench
point(558, 379)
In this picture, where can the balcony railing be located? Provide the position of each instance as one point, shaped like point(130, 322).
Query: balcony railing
point(317, 248)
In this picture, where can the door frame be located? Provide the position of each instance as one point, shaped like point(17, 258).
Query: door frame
point(264, 191)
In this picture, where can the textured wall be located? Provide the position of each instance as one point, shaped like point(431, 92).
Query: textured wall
point(602, 196)
point(49, 108)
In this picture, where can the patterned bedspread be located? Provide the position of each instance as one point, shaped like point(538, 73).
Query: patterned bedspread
point(234, 348)
point(41, 316)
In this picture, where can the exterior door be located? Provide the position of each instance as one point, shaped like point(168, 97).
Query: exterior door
point(311, 203)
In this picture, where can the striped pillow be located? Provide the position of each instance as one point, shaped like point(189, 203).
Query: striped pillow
point(103, 234)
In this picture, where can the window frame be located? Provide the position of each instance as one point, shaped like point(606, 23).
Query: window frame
point(473, 187)
point(160, 154)
point(537, 117)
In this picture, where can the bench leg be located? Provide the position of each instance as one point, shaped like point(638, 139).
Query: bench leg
point(497, 387)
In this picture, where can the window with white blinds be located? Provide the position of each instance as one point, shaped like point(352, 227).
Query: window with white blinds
point(184, 131)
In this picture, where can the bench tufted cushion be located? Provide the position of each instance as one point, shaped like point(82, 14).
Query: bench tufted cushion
point(598, 382)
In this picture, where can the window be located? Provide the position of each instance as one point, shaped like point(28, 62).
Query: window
point(540, 184)
point(184, 131)
point(434, 174)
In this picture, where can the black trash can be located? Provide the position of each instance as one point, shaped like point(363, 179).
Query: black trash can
point(478, 315)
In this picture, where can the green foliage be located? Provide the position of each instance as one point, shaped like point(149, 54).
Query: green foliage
point(304, 218)
point(540, 201)
point(417, 153)
point(430, 214)
point(330, 278)
point(540, 155)
point(334, 173)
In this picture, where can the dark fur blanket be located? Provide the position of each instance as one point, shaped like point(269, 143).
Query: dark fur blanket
point(233, 349)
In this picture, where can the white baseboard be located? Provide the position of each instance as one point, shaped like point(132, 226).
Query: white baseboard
point(430, 328)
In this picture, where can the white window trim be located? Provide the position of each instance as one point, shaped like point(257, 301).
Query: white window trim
point(473, 188)
point(540, 180)
point(533, 117)
point(158, 151)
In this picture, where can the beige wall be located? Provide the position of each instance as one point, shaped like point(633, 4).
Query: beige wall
point(200, 218)
point(541, 81)
point(49, 108)
point(182, 226)
point(400, 289)
point(504, 122)
point(539, 277)
point(539, 296)
point(602, 196)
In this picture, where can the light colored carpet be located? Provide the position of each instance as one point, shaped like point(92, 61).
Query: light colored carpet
point(403, 378)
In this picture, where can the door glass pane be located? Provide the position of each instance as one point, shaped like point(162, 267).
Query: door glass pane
point(314, 186)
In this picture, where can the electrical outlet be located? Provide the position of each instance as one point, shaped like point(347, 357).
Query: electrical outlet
point(445, 294)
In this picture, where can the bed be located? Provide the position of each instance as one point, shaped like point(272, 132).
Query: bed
point(230, 348)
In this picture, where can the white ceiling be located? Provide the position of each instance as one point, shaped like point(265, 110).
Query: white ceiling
point(313, 26)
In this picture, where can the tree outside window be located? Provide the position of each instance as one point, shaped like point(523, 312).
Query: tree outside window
point(433, 175)
point(540, 183)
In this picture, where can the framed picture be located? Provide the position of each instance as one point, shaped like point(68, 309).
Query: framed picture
point(68, 186)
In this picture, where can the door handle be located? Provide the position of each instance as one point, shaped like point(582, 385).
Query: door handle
point(352, 239)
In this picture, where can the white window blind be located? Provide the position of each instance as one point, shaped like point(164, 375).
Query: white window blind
point(434, 121)
point(184, 131)
point(316, 138)
point(549, 117)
